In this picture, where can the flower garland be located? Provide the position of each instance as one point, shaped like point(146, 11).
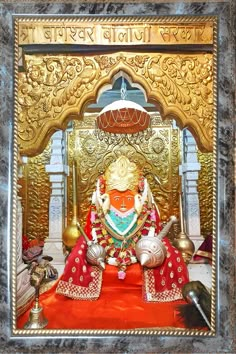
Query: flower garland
point(124, 255)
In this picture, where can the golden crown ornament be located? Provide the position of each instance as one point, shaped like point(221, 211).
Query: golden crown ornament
point(122, 175)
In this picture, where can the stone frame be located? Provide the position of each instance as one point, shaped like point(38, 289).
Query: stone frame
point(225, 204)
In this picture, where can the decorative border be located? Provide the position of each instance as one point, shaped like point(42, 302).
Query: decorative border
point(215, 249)
point(158, 331)
point(118, 18)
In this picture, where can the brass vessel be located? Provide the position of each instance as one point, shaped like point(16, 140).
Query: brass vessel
point(71, 232)
point(186, 246)
point(182, 241)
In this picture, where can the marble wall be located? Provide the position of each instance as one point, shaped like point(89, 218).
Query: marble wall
point(224, 341)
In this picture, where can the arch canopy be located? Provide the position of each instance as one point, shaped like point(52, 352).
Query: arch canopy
point(53, 88)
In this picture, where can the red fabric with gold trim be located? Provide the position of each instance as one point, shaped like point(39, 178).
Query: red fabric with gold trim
point(125, 120)
point(123, 117)
point(204, 252)
point(164, 283)
point(80, 280)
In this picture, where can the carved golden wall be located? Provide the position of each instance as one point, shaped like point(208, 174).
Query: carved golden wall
point(205, 190)
point(158, 156)
point(51, 88)
point(35, 194)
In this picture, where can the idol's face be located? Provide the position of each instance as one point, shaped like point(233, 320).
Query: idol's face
point(122, 201)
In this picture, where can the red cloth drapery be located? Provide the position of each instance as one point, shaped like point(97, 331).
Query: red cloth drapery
point(120, 306)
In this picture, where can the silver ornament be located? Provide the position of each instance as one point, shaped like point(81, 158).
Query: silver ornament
point(95, 255)
point(150, 251)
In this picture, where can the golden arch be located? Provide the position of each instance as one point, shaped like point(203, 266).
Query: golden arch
point(53, 88)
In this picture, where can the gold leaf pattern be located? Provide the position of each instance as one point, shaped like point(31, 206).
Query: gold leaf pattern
point(93, 156)
point(53, 87)
point(205, 190)
point(35, 194)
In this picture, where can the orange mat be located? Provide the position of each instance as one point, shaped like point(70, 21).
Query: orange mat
point(120, 306)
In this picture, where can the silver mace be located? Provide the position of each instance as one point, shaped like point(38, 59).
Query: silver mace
point(150, 251)
point(167, 227)
point(96, 253)
point(192, 298)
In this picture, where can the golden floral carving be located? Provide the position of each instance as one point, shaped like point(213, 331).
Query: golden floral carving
point(35, 194)
point(162, 162)
point(184, 81)
point(53, 88)
point(48, 88)
point(105, 62)
point(205, 190)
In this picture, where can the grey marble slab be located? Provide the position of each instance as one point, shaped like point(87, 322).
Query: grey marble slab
point(224, 341)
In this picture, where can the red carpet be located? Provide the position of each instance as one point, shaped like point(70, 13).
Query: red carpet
point(120, 306)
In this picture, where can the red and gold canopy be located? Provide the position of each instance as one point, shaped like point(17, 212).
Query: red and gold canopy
point(123, 117)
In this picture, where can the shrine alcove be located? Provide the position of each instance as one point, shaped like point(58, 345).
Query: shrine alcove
point(60, 96)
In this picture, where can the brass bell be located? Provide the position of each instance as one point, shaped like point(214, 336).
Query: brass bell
point(36, 318)
point(42, 272)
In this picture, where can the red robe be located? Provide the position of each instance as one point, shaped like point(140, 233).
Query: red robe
point(83, 281)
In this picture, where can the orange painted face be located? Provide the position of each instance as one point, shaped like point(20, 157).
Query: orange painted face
point(122, 201)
